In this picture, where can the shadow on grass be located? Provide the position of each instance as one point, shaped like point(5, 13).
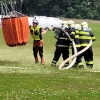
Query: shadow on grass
point(9, 63)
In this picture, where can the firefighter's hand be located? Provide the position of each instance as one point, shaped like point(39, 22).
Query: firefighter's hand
point(41, 41)
point(43, 31)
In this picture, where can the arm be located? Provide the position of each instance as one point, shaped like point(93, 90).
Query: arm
point(60, 30)
point(92, 36)
point(58, 33)
point(71, 34)
point(43, 31)
point(31, 31)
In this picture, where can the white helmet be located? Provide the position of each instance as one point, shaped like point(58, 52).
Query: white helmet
point(70, 24)
point(78, 26)
point(34, 21)
point(84, 24)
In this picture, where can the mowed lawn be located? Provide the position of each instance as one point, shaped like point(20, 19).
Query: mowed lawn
point(22, 79)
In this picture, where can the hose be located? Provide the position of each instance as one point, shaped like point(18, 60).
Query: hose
point(75, 51)
point(73, 56)
point(74, 60)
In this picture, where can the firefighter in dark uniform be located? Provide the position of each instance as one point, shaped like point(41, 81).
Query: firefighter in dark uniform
point(85, 36)
point(74, 29)
point(62, 47)
point(79, 62)
point(36, 32)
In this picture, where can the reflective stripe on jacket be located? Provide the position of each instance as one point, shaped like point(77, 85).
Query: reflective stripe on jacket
point(85, 37)
point(62, 39)
point(71, 32)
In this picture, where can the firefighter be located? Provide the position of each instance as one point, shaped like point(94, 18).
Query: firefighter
point(62, 47)
point(36, 32)
point(85, 36)
point(74, 31)
point(71, 30)
point(79, 62)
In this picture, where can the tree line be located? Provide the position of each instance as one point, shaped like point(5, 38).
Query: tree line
point(80, 9)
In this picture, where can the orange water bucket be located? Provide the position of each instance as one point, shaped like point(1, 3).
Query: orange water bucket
point(15, 31)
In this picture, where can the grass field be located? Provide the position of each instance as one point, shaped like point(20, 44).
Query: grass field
point(22, 79)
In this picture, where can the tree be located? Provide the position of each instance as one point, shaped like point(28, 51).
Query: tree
point(85, 9)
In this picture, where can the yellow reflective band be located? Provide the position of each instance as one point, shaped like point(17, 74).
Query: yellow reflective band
point(72, 32)
point(81, 32)
point(77, 31)
point(76, 36)
point(93, 38)
point(71, 39)
point(77, 45)
point(37, 37)
point(80, 63)
point(85, 37)
point(89, 62)
point(83, 44)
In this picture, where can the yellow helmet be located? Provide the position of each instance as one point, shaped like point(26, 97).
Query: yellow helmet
point(70, 24)
point(84, 24)
point(78, 26)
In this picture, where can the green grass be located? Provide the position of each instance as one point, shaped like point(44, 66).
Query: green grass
point(22, 79)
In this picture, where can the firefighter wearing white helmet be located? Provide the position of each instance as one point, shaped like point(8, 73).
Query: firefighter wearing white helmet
point(84, 24)
point(36, 32)
point(78, 26)
point(74, 34)
point(70, 24)
point(62, 46)
point(78, 62)
point(75, 30)
point(85, 36)
point(71, 32)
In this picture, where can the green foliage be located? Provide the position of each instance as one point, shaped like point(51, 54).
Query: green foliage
point(86, 9)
